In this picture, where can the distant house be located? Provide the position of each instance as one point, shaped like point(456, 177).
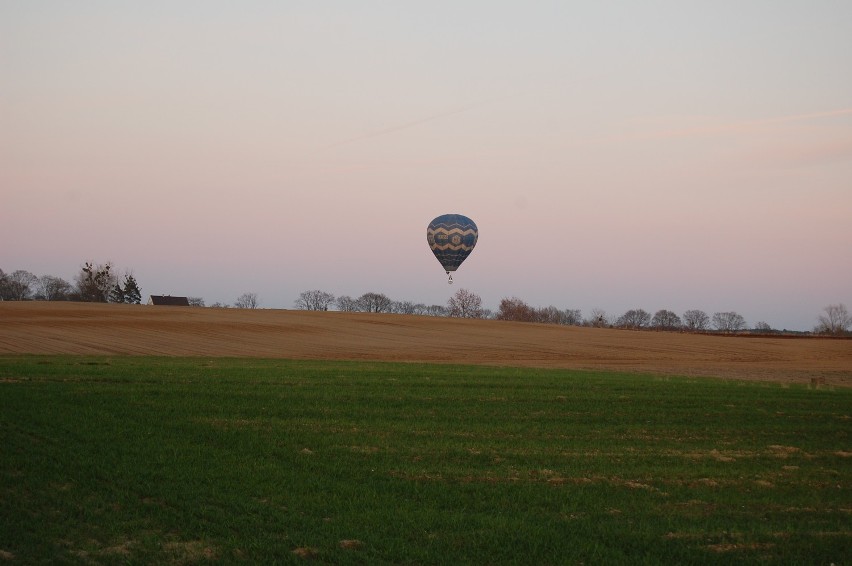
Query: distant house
point(168, 300)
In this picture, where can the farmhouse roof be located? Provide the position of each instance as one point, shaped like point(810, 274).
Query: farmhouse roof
point(168, 300)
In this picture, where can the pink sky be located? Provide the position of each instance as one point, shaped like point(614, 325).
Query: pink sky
point(674, 155)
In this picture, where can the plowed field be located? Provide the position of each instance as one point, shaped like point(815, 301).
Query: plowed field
point(84, 328)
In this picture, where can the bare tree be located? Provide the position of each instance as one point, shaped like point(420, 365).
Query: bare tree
point(763, 327)
point(374, 302)
point(18, 285)
point(346, 303)
point(421, 309)
point(728, 321)
point(836, 320)
point(548, 315)
point(598, 318)
point(696, 320)
point(634, 318)
point(247, 301)
point(436, 310)
point(666, 320)
point(195, 301)
point(52, 288)
point(403, 307)
point(465, 304)
point(515, 309)
point(94, 282)
point(572, 317)
point(315, 300)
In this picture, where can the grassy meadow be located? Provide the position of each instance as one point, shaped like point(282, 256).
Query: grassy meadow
point(116, 460)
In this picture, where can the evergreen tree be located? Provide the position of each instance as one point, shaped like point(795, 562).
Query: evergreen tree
point(116, 295)
point(132, 292)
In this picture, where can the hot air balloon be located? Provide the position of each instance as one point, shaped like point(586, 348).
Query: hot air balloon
point(451, 238)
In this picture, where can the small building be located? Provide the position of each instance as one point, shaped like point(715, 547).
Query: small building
point(168, 300)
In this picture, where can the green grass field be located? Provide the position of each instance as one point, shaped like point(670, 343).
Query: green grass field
point(163, 460)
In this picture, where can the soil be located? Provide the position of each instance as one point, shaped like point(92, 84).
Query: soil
point(106, 329)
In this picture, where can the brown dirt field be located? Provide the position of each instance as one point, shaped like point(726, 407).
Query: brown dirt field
point(102, 329)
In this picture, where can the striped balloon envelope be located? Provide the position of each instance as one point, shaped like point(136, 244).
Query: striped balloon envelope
point(451, 238)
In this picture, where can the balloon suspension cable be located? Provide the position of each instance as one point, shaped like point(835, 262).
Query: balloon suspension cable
point(450, 280)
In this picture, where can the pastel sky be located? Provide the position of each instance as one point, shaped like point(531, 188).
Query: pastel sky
point(660, 154)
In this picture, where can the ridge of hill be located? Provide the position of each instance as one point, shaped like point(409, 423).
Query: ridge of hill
point(110, 329)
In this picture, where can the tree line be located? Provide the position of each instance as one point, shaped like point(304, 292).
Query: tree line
point(95, 282)
point(98, 282)
point(835, 319)
point(317, 300)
